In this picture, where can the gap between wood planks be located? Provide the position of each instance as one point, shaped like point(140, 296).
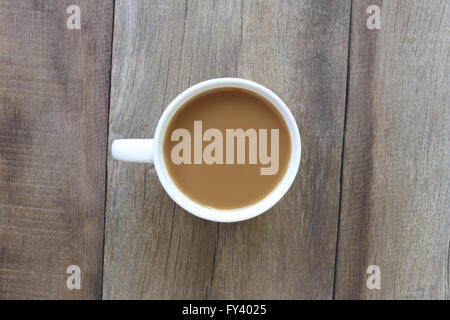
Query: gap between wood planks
point(107, 146)
point(341, 177)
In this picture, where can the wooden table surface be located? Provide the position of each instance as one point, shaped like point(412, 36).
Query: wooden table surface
point(372, 106)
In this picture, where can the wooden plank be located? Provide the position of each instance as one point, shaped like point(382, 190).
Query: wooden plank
point(153, 249)
point(54, 91)
point(395, 201)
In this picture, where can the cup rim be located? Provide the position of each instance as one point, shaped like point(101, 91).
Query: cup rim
point(237, 214)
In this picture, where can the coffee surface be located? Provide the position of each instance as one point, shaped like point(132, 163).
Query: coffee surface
point(225, 185)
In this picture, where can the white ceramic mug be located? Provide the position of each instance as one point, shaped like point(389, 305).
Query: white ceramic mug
point(151, 151)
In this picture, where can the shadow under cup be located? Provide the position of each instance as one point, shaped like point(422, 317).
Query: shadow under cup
point(227, 148)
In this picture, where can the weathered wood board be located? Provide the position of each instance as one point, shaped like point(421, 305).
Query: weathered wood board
point(54, 92)
point(153, 249)
point(395, 197)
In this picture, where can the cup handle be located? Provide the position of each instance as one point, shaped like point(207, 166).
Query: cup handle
point(133, 150)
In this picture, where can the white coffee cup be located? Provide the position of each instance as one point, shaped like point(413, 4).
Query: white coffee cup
point(151, 151)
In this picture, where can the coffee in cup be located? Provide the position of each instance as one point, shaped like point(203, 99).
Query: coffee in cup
point(224, 150)
point(227, 148)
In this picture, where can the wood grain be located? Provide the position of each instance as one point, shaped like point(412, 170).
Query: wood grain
point(395, 200)
point(54, 90)
point(153, 249)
